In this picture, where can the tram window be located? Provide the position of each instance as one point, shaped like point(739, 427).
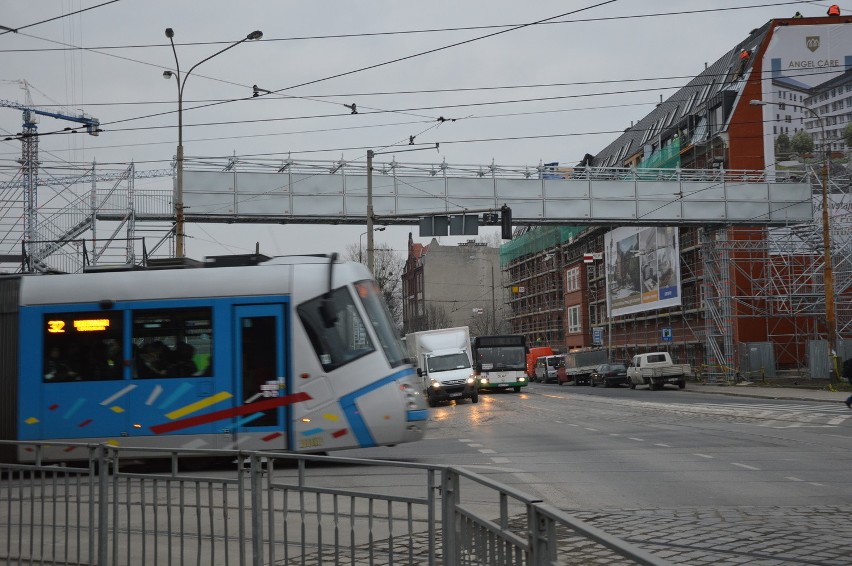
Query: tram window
point(172, 343)
point(342, 342)
point(82, 346)
point(380, 317)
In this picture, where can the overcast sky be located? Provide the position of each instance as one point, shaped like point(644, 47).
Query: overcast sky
point(547, 92)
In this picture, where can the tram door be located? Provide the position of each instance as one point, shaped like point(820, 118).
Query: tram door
point(260, 373)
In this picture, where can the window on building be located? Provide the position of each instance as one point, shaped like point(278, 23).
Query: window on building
point(705, 92)
point(687, 108)
point(648, 131)
point(575, 323)
point(623, 153)
point(670, 118)
point(572, 279)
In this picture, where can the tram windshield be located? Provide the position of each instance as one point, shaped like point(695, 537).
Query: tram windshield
point(380, 317)
point(340, 335)
point(335, 329)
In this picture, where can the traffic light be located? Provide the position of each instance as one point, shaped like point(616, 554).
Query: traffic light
point(490, 218)
point(506, 222)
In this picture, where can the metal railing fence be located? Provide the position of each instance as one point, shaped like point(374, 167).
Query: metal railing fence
point(147, 506)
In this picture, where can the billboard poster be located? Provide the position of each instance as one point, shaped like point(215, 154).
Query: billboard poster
point(642, 269)
point(804, 75)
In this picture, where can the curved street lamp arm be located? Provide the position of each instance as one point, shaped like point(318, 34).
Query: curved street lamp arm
point(248, 37)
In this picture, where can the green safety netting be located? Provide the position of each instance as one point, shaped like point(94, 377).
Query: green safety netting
point(537, 240)
point(666, 158)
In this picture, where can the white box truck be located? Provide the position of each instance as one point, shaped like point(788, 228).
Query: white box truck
point(443, 363)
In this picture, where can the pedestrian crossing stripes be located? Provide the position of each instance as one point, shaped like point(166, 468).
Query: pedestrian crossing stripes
point(773, 415)
point(827, 408)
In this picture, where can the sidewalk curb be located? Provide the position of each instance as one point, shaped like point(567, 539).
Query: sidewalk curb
point(787, 396)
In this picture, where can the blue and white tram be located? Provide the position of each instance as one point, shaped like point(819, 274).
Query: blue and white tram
point(294, 353)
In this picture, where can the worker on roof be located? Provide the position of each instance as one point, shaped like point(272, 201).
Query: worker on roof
point(833, 10)
point(797, 15)
point(745, 55)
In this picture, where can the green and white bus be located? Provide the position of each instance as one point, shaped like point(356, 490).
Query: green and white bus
point(500, 362)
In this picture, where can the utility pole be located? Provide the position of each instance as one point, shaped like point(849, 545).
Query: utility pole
point(828, 269)
point(493, 303)
point(370, 258)
point(370, 155)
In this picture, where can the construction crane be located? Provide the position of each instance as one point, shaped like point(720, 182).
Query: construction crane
point(29, 158)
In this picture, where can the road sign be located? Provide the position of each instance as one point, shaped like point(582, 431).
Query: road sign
point(597, 336)
point(667, 334)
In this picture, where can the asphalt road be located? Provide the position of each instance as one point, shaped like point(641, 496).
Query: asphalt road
point(695, 477)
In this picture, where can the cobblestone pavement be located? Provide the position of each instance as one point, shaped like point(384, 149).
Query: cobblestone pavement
point(761, 536)
point(741, 535)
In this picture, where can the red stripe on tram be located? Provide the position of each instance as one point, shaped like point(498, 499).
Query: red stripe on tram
point(228, 413)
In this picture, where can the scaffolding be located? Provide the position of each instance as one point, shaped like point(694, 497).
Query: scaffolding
point(747, 292)
point(768, 282)
point(534, 261)
point(84, 219)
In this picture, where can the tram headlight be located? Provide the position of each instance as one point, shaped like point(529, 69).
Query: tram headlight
point(483, 380)
point(522, 379)
point(411, 395)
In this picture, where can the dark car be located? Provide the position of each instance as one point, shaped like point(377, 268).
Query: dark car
point(610, 375)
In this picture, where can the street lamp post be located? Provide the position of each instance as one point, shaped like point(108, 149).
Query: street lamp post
point(360, 239)
point(828, 271)
point(178, 197)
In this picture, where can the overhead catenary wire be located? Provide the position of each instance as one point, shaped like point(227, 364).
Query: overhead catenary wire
point(427, 108)
point(409, 32)
point(27, 26)
point(442, 142)
point(503, 31)
point(498, 102)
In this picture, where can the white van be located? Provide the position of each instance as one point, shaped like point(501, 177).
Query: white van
point(546, 368)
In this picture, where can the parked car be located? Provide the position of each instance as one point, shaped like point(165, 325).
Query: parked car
point(610, 375)
point(546, 368)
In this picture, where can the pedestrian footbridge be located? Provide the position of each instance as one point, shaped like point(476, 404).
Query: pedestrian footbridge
point(322, 192)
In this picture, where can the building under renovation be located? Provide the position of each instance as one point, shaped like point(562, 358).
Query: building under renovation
point(753, 301)
point(449, 286)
